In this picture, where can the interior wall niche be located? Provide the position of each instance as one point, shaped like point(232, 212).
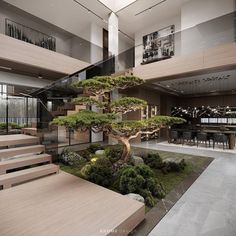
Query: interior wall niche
point(159, 45)
point(29, 35)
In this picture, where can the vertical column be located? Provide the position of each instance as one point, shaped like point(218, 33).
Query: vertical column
point(113, 47)
point(113, 36)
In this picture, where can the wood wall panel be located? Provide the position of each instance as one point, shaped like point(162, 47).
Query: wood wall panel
point(218, 58)
point(16, 51)
point(224, 55)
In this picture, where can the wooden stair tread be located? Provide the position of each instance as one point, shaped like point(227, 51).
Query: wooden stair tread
point(11, 152)
point(23, 161)
point(17, 139)
point(28, 174)
point(28, 171)
point(20, 159)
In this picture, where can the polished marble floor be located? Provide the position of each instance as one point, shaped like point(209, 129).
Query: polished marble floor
point(208, 207)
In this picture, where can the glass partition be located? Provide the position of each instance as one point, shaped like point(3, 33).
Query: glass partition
point(157, 46)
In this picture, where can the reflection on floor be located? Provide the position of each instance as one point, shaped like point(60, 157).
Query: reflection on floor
point(187, 149)
point(208, 207)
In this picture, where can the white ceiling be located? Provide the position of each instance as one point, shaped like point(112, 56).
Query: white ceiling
point(132, 24)
point(69, 14)
point(209, 83)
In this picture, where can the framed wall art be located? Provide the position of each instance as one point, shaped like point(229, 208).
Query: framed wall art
point(159, 45)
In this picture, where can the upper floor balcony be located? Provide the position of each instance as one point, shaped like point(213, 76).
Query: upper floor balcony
point(204, 48)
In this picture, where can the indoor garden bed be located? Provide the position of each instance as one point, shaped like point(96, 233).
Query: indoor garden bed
point(153, 178)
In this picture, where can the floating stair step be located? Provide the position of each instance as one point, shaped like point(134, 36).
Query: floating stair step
point(11, 152)
point(23, 161)
point(18, 177)
point(17, 139)
point(29, 131)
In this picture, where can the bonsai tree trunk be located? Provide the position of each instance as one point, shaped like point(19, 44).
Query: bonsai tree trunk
point(126, 149)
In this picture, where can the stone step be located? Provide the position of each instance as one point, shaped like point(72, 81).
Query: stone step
point(22, 176)
point(23, 162)
point(12, 152)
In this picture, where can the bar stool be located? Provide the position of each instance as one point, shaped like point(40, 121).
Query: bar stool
point(220, 138)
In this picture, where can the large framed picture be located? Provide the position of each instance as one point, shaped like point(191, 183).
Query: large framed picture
point(159, 45)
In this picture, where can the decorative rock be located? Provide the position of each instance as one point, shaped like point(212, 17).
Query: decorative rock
point(100, 152)
point(137, 160)
point(136, 197)
point(173, 159)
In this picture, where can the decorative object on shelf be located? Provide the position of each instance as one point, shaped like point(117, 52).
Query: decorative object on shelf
point(159, 45)
point(148, 112)
point(29, 35)
point(212, 115)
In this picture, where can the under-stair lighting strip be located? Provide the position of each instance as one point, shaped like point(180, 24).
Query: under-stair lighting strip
point(5, 68)
point(150, 8)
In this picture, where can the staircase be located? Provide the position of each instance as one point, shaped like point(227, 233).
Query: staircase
point(23, 159)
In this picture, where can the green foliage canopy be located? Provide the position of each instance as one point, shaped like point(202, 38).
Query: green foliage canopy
point(127, 104)
point(89, 101)
point(100, 85)
point(85, 119)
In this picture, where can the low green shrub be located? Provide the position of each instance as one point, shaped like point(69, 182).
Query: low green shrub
point(85, 154)
point(99, 171)
point(71, 158)
point(144, 170)
point(150, 201)
point(182, 164)
point(153, 160)
point(94, 147)
point(131, 181)
point(13, 125)
point(114, 153)
point(140, 179)
point(145, 193)
point(155, 188)
point(171, 166)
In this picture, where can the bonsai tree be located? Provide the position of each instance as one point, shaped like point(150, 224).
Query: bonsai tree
point(97, 92)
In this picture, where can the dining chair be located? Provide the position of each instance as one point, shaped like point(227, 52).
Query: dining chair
point(203, 137)
point(220, 138)
point(188, 136)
